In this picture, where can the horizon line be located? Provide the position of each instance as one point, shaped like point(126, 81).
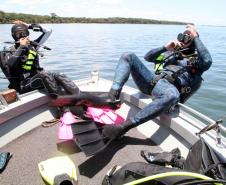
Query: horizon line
point(178, 21)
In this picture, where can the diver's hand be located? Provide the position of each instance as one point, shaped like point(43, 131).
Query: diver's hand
point(24, 41)
point(173, 45)
point(192, 30)
point(35, 27)
point(20, 22)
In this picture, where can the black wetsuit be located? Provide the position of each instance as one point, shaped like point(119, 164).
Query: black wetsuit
point(27, 75)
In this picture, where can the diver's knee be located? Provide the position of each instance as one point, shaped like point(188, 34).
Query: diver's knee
point(174, 97)
point(59, 75)
point(45, 73)
point(42, 73)
point(128, 56)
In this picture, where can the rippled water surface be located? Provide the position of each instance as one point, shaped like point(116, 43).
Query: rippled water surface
point(77, 49)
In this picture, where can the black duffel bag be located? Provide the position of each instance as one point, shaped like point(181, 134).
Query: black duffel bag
point(202, 159)
point(140, 173)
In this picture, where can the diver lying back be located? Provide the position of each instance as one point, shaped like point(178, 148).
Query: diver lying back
point(179, 67)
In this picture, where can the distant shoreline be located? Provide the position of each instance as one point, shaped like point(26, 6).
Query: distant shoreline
point(8, 18)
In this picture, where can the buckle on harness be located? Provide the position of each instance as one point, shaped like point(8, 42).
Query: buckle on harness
point(25, 75)
point(157, 78)
point(185, 90)
point(188, 90)
point(153, 82)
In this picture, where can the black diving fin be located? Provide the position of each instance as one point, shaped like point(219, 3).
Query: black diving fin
point(88, 136)
point(84, 99)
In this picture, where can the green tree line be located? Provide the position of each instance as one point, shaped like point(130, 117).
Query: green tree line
point(6, 18)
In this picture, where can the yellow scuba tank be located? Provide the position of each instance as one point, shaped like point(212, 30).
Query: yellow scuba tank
point(58, 171)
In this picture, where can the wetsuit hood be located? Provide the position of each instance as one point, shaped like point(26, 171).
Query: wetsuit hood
point(19, 31)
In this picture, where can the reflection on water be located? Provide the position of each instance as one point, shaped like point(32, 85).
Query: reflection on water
point(77, 49)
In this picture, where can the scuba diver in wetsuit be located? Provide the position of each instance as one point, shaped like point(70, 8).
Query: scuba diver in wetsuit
point(22, 69)
point(22, 63)
point(179, 67)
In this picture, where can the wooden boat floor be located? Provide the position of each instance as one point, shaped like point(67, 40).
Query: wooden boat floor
point(42, 143)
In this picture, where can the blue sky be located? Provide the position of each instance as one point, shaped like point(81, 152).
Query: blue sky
point(207, 12)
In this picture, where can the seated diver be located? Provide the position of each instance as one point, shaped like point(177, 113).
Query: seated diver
point(180, 65)
point(22, 63)
point(25, 74)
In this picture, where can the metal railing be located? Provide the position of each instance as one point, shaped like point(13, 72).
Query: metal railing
point(213, 125)
point(200, 115)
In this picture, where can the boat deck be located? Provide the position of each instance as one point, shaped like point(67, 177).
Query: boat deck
point(22, 135)
point(42, 143)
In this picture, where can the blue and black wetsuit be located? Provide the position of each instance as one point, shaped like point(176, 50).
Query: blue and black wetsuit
point(164, 92)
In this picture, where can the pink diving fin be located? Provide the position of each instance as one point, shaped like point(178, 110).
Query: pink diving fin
point(101, 115)
point(64, 130)
point(104, 116)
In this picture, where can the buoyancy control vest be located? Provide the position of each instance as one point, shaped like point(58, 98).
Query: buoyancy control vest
point(4, 55)
point(186, 78)
point(26, 67)
point(144, 174)
point(3, 64)
point(159, 63)
point(13, 80)
point(28, 64)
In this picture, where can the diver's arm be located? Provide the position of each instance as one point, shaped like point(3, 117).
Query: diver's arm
point(43, 37)
point(15, 58)
point(154, 53)
point(205, 59)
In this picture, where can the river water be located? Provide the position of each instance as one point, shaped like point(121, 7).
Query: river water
point(77, 49)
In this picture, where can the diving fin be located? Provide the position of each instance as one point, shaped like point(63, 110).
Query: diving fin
point(84, 98)
point(89, 138)
point(58, 170)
